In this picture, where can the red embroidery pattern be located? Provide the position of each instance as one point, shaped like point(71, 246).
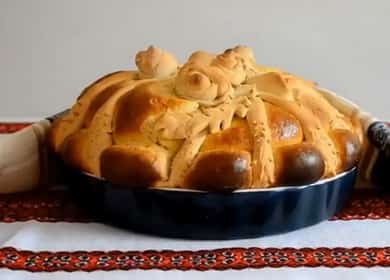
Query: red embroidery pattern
point(12, 127)
point(42, 206)
point(366, 205)
point(219, 259)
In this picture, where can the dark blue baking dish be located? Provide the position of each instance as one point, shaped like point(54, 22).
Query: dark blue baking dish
point(240, 214)
point(195, 214)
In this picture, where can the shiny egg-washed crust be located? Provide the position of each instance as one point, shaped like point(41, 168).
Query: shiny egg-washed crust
point(218, 122)
point(86, 106)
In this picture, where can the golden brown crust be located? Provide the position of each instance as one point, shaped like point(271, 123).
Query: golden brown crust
point(285, 127)
point(97, 136)
point(263, 164)
point(299, 164)
point(313, 131)
point(145, 101)
point(99, 101)
point(348, 146)
point(73, 152)
point(220, 170)
point(74, 119)
point(237, 137)
point(183, 160)
point(131, 166)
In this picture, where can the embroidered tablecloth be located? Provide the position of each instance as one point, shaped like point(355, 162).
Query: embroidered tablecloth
point(47, 233)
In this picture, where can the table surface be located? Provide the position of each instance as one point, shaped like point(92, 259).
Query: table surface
point(51, 49)
point(47, 233)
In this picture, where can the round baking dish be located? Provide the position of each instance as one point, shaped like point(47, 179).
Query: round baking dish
point(192, 214)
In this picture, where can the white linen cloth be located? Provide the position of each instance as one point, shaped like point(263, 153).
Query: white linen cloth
point(63, 236)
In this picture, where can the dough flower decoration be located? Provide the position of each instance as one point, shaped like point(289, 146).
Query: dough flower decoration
point(155, 63)
point(205, 84)
point(238, 64)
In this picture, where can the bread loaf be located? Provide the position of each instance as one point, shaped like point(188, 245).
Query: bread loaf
point(218, 122)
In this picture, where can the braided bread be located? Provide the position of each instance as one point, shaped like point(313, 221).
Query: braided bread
point(217, 122)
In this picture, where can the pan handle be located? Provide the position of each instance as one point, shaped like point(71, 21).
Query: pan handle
point(23, 158)
point(378, 167)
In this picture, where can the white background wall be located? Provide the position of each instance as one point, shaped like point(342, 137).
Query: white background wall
point(51, 49)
